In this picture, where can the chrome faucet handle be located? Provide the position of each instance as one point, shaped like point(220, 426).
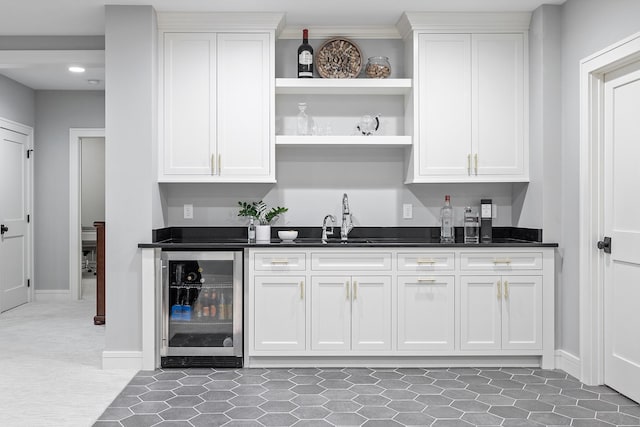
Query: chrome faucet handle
point(327, 230)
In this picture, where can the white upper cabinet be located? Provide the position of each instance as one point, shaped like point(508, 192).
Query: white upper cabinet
point(470, 98)
point(217, 99)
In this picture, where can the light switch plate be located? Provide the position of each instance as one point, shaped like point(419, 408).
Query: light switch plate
point(188, 211)
point(407, 211)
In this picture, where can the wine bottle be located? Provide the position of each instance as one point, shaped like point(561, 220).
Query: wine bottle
point(446, 222)
point(305, 57)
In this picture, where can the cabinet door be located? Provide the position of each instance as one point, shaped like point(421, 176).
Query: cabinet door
point(426, 309)
point(522, 312)
point(279, 313)
point(330, 313)
point(498, 104)
point(480, 312)
point(244, 105)
point(371, 313)
point(189, 104)
point(444, 105)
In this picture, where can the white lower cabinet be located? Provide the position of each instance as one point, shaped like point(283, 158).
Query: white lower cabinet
point(501, 312)
point(350, 313)
point(382, 305)
point(279, 315)
point(426, 312)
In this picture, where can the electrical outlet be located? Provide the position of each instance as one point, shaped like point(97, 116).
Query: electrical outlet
point(407, 211)
point(188, 211)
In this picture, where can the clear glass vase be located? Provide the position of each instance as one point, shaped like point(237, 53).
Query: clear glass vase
point(303, 120)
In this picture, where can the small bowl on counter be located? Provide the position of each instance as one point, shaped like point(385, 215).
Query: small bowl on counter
point(287, 235)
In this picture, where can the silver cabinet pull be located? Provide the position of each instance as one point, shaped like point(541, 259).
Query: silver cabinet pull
point(506, 289)
point(499, 286)
point(469, 164)
point(476, 162)
point(502, 261)
point(425, 261)
point(426, 280)
point(213, 164)
point(279, 261)
point(347, 285)
point(302, 289)
point(220, 164)
point(355, 290)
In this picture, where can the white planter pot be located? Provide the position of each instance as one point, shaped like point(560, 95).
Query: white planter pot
point(263, 233)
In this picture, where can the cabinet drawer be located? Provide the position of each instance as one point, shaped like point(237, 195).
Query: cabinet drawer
point(280, 261)
point(378, 261)
point(501, 261)
point(418, 261)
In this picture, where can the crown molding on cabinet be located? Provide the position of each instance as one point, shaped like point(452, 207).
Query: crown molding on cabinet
point(476, 22)
point(355, 32)
point(221, 21)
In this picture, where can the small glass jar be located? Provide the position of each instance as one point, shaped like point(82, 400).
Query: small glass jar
point(378, 67)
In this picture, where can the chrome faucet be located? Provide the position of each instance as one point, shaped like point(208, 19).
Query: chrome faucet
point(324, 227)
point(347, 218)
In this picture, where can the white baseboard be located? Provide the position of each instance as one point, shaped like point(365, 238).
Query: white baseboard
point(52, 295)
point(568, 363)
point(122, 360)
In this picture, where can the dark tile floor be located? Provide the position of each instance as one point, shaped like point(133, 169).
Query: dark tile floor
point(509, 397)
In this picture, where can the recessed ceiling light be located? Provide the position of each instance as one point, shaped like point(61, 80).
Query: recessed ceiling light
point(76, 69)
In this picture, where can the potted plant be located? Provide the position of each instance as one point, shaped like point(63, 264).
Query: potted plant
point(259, 211)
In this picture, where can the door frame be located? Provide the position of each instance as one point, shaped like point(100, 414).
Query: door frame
point(28, 131)
point(75, 206)
point(592, 71)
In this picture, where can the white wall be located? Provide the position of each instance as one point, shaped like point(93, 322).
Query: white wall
point(92, 181)
point(56, 113)
point(17, 102)
point(131, 191)
point(587, 27)
point(311, 182)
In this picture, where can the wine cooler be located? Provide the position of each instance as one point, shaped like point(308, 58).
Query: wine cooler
point(201, 322)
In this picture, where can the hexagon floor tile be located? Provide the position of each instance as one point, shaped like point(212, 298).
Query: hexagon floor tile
point(366, 397)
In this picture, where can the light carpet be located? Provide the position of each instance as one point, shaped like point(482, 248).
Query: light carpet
point(50, 364)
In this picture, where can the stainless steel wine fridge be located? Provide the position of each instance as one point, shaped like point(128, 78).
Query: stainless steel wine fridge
point(201, 306)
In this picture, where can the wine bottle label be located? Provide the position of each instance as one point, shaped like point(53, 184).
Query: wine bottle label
point(305, 58)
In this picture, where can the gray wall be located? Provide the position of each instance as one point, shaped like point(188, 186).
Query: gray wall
point(92, 183)
point(17, 102)
point(587, 27)
point(56, 113)
point(131, 191)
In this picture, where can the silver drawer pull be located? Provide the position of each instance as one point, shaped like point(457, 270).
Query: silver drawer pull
point(502, 261)
point(279, 261)
point(425, 261)
point(426, 280)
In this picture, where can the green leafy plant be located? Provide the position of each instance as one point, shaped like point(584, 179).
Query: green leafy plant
point(259, 211)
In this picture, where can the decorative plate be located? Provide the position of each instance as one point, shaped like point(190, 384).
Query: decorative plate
point(339, 58)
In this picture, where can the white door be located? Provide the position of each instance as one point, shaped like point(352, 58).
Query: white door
point(279, 313)
point(331, 313)
point(444, 86)
point(14, 239)
point(521, 312)
point(371, 313)
point(480, 312)
point(426, 310)
point(497, 111)
point(244, 87)
point(621, 213)
point(189, 145)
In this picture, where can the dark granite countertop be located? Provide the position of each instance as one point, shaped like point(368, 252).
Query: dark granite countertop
point(230, 238)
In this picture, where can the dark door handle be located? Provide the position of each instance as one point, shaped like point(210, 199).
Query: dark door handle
point(3, 229)
point(605, 244)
